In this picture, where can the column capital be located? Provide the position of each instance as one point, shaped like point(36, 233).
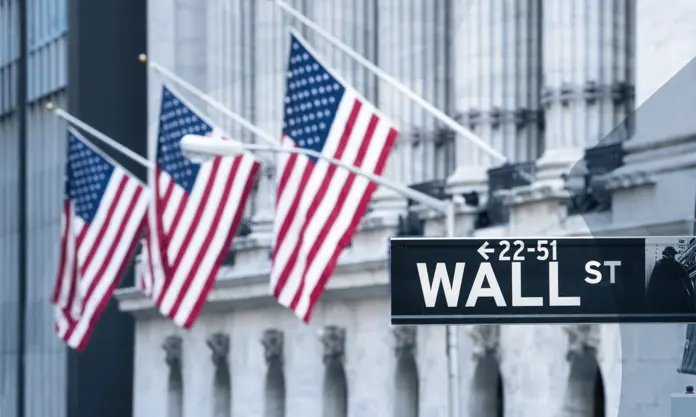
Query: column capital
point(172, 347)
point(334, 340)
point(219, 344)
point(272, 341)
point(486, 340)
point(405, 338)
point(583, 339)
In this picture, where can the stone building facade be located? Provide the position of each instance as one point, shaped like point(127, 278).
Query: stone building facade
point(549, 83)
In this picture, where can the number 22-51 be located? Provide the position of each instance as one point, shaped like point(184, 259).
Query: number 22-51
point(542, 250)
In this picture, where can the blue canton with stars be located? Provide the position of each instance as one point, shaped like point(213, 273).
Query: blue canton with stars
point(88, 175)
point(312, 97)
point(176, 121)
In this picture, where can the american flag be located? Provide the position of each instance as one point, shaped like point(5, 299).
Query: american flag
point(319, 206)
point(195, 216)
point(104, 210)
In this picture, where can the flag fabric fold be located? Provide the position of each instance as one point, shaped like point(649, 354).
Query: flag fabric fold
point(193, 216)
point(103, 215)
point(318, 205)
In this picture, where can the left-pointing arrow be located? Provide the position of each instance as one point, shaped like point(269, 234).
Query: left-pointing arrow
point(484, 250)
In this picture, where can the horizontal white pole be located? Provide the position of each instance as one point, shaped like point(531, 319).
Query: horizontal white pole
point(102, 137)
point(405, 191)
point(215, 104)
point(199, 148)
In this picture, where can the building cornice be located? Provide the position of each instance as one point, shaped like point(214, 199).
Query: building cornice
point(649, 158)
point(536, 192)
point(358, 279)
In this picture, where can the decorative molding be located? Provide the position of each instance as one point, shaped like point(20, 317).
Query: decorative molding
point(272, 341)
point(524, 117)
point(219, 344)
point(591, 91)
point(334, 340)
point(626, 180)
point(238, 288)
point(583, 340)
point(486, 340)
point(173, 350)
point(532, 193)
point(496, 116)
point(405, 340)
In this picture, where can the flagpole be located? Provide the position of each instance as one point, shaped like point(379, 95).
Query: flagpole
point(210, 101)
point(99, 135)
point(195, 148)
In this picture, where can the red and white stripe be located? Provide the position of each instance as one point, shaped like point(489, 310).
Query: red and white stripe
point(189, 236)
point(94, 256)
point(319, 206)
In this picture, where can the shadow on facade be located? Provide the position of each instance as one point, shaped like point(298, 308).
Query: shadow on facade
point(335, 390)
point(219, 345)
point(585, 392)
point(275, 390)
point(274, 405)
point(487, 398)
point(406, 397)
point(222, 389)
point(175, 393)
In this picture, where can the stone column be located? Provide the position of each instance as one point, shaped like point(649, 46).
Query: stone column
point(497, 84)
point(191, 46)
point(587, 78)
point(268, 49)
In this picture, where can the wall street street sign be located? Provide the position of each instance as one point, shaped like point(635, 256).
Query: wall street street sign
point(545, 280)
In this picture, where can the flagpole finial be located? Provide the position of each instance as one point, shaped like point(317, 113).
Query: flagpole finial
point(142, 58)
point(49, 106)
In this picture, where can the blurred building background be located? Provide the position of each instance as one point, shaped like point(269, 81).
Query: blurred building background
point(79, 57)
point(546, 82)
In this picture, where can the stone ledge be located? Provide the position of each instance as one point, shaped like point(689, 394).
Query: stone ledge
point(626, 180)
point(646, 159)
point(533, 193)
point(367, 278)
point(637, 144)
